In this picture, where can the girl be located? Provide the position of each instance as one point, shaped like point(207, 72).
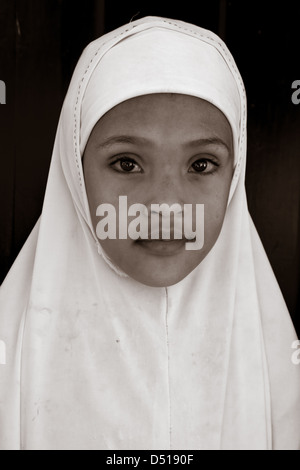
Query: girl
point(141, 343)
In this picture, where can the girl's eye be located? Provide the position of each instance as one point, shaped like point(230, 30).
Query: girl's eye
point(204, 166)
point(126, 165)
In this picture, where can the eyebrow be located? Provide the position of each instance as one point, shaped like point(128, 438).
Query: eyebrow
point(138, 140)
point(122, 139)
point(209, 141)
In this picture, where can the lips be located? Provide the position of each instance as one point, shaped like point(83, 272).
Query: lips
point(165, 235)
point(171, 235)
point(162, 247)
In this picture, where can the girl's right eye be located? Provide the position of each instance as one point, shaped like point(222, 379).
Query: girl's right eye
point(126, 165)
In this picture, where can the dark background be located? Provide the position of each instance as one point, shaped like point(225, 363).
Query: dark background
point(40, 43)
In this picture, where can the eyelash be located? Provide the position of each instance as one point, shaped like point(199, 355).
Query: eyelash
point(124, 159)
point(211, 161)
point(131, 160)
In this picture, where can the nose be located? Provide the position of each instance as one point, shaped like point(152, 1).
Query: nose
point(165, 206)
point(165, 192)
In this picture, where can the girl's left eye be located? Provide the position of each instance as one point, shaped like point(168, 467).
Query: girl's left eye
point(126, 165)
point(204, 165)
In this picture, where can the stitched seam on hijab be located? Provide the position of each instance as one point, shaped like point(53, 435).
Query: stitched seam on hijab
point(195, 34)
point(168, 365)
point(77, 159)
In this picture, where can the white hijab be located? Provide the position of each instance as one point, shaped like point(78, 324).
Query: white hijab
point(96, 360)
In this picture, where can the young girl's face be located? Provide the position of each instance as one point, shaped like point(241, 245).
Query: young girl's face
point(155, 149)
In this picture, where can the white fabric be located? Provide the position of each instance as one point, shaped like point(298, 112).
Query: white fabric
point(95, 360)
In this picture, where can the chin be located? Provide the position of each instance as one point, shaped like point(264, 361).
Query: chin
point(159, 280)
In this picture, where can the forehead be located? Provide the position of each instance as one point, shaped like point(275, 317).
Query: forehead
point(167, 114)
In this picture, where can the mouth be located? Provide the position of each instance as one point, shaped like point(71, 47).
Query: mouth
point(162, 247)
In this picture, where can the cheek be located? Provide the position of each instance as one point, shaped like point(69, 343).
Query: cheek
point(99, 191)
point(117, 250)
point(214, 213)
point(213, 221)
